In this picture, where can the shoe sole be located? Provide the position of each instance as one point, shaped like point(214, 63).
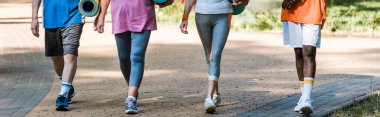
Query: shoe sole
point(131, 112)
point(62, 108)
point(210, 109)
point(306, 111)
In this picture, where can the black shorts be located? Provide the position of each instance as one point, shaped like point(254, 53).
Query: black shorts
point(62, 41)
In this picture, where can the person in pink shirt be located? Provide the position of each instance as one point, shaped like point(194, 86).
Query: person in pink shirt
point(132, 23)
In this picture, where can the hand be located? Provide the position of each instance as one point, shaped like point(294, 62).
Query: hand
point(167, 3)
point(35, 27)
point(99, 23)
point(183, 27)
point(237, 2)
point(241, 3)
point(287, 4)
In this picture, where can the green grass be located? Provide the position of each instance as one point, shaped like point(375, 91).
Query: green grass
point(369, 107)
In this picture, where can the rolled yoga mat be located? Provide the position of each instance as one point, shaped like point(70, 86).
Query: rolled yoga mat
point(89, 8)
point(236, 10)
point(159, 1)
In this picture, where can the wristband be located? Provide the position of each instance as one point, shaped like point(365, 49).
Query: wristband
point(185, 17)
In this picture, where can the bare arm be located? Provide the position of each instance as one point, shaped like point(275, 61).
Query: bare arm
point(188, 6)
point(103, 7)
point(35, 24)
point(99, 21)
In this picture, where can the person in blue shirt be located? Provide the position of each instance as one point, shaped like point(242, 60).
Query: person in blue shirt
point(63, 25)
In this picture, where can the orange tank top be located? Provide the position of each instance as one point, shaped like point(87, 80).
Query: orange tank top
point(306, 12)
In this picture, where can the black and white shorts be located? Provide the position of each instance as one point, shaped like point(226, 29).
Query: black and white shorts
point(63, 41)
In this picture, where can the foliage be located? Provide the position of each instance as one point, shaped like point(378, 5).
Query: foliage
point(173, 14)
point(349, 16)
point(368, 108)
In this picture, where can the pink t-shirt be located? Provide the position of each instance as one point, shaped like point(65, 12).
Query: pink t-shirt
point(133, 15)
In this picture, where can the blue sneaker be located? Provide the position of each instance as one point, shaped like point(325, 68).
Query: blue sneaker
point(71, 93)
point(131, 106)
point(62, 103)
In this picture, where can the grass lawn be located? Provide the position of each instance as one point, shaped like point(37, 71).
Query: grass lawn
point(369, 107)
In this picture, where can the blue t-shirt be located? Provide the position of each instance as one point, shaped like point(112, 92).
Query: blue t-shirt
point(61, 13)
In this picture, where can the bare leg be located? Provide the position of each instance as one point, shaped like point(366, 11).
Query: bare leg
point(299, 63)
point(70, 68)
point(58, 63)
point(211, 88)
point(132, 91)
point(309, 54)
point(216, 91)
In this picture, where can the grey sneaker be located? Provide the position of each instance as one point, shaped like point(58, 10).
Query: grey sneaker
point(209, 106)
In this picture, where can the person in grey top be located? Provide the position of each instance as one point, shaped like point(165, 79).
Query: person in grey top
point(213, 19)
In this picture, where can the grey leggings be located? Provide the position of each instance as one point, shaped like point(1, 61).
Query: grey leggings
point(213, 30)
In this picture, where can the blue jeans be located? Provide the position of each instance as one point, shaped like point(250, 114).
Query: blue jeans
point(213, 30)
point(131, 48)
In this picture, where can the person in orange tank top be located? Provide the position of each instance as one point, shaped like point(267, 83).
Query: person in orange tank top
point(302, 23)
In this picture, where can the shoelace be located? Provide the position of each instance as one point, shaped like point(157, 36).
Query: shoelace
point(61, 99)
point(130, 104)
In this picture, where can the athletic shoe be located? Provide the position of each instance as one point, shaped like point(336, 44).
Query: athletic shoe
point(306, 107)
point(71, 93)
point(298, 107)
point(217, 100)
point(130, 106)
point(209, 106)
point(62, 103)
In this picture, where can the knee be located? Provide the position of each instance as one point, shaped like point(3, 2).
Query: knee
point(137, 57)
point(309, 54)
point(70, 59)
point(57, 58)
point(299, 54)
point(215, 57)
point(123, 58)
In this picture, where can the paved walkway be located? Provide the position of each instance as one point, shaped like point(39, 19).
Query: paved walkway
point(326, 98)
point(25, 75)
point(257, 72)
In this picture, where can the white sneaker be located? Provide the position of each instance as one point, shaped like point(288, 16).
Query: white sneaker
point(298, 107)
point(209, 106)
point(306, 107)
point(217, 100)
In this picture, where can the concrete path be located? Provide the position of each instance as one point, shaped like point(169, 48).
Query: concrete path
point(25, 74)
point(257, 73)
point(326, 98)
